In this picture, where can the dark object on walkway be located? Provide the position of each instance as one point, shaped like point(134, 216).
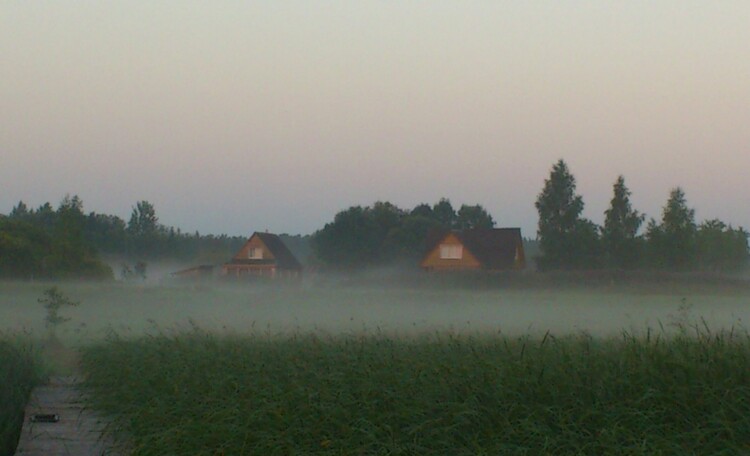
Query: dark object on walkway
point(45, 418)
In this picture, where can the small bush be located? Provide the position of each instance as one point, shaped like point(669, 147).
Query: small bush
point(53, 301)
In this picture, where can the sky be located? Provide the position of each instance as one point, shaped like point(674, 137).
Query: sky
point(233, 116)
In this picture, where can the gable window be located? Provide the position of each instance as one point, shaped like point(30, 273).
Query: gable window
point(255, 253)
point(451, 251)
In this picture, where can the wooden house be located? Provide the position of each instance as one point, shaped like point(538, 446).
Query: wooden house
point(263, 255)
point(493, 249)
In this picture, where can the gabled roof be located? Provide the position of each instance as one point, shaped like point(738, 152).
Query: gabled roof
point(284, 258)
point(495, 248)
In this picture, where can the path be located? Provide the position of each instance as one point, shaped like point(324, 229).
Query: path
point(78, 432)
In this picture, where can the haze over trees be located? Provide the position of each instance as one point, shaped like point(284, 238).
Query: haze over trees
point(676, 242)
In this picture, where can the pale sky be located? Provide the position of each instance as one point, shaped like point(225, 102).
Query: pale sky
point(233, 116)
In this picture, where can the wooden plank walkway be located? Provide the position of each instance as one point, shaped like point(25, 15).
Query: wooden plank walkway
point(79, 430)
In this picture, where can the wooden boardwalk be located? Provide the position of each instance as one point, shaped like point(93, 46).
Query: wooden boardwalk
point(79, 430)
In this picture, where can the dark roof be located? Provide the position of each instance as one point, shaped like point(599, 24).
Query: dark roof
point(284, 257)
point(495, 248)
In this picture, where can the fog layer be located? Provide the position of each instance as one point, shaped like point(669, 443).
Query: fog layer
point(135, 310)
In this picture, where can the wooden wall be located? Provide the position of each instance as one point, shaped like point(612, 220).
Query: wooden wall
point(254, 242)
point(433, 261)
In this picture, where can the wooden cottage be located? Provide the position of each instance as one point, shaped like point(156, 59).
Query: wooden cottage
point(477, 249)
point(263, 255)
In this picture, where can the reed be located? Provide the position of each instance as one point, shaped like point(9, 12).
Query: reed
point(202, 394)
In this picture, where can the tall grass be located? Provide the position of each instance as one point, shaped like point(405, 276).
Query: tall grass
point(19, 373)
point(200, 394)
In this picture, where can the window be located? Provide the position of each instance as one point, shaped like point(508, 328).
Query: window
point(451, 251)
point(255, 253)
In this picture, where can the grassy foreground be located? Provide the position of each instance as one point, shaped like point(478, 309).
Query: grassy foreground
point(19, 373)
point(201, 394)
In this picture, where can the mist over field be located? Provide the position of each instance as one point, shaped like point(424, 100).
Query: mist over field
point(382, 227)
point(338, 307)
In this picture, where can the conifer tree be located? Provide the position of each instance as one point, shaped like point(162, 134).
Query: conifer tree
point(673, 242)
point(566, 240)
point(621, 224)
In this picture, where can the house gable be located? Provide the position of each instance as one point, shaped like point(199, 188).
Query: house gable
point(264, 254)
point(254, 249)
point(490, 249)
point(450, 253)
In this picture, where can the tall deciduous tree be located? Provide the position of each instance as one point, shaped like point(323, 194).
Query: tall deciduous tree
point(444, 213)
point(408, 242)
point(106, 232)
point(422, 210)
point(351, 240)
point(672, 243)
point(386, 217)
point(476, 216)
point(566, 239)
point(70, 248)
point(45, 216)
point(621, 224)
point(143, 219)
point(145, 233)
point(19, 211)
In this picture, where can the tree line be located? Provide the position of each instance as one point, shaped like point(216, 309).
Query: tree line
point(48, 243)
point(65, 242)
point(675, 242)
point(384, 234)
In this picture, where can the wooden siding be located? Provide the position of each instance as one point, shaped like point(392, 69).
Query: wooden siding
point(275, 261)
point(249, 270)
point(254, 243)
point(433, 261)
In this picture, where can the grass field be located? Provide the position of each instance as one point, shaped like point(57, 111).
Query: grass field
point(202, 394)
point(360, 368)
point(19, 373)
